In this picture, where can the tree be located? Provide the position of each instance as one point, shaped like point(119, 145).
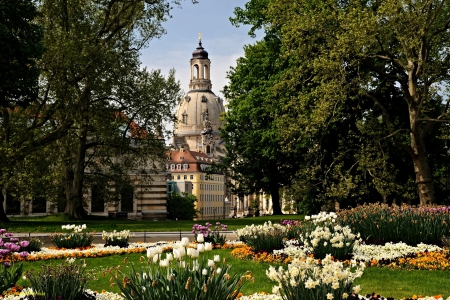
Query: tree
point(22, 116)
point(181, 207)
point(20, 41)
point(253, 158)
point(361, 48)
point(92, 70)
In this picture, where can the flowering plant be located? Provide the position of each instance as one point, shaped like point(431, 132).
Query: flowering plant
point(313, 279)
point(9, 271)
point(265, 237)
point(116, 238)
point(77, 238)
point(65, 281)
point(380, 223)
point(322, 235)
point(181, 275)
point(209, 235)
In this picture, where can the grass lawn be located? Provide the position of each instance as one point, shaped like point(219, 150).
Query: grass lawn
point(383, 281)
point(98, 224)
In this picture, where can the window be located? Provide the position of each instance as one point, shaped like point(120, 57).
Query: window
point(178, 177)
point(185, 177)
point(97, 199)
point(191, 177)
point(167, 167)
point(172, 167)
point(185, 166)
point(179, 167)
point(126, 198)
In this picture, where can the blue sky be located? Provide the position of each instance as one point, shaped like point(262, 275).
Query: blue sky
point(223, 41)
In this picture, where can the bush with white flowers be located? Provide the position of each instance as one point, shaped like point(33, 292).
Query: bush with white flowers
point(116, 238)
point(77, 238)
point(322, 235)
point(314, 279)
point(181, 275)
point(266, 237)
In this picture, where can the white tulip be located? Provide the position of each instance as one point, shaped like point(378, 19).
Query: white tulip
point(185, 242)
point(195, 253)
point(208, 246)
point(200, 238)
point(201, 248)
point(210, 263)
point(204, 272)
point(217, 258)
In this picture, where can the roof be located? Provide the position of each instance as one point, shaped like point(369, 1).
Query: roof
point(194, 159)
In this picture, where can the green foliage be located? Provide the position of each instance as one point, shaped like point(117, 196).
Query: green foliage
point(376, 80)
point(380, 223)
point(75, 239)
point(254, 160)
point(9, 275)
point(181, 207)
point(21, 47)
point(67, 280)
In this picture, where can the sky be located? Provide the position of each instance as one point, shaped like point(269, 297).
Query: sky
point(223, 42)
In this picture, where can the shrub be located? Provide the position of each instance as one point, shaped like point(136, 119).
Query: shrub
point(212, 236)
point(322, 235)
point(180, 275)
point(314, 279)
point(116, 238)
point(181, 207)
point(265, 237)
point(10, 270)
point(380, 223)
point(76, 239)
point(66, 281)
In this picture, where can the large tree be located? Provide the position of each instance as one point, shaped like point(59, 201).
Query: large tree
point(361, 47)
point(254, 160)
point(91, 68)
point(23, 117)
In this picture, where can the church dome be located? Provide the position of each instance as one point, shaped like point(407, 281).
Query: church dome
point(199, 111)
point(200, 52)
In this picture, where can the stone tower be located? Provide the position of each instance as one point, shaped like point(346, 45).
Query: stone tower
point(198, 113)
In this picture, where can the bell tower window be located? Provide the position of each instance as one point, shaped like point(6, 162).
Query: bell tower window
point(184, 118)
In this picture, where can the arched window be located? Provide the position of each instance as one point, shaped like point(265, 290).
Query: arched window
point(195, 72)
point(205, 72)
point(208, 149)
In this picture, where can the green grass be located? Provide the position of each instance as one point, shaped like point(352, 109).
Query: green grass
point(383, 281)
point(53, 223)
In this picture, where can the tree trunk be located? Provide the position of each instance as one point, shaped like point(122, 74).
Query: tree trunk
point(74, 181)
point(3, 217)
point(275, 193)
point(424, 180)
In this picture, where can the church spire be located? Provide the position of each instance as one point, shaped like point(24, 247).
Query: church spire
point(200, 68)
